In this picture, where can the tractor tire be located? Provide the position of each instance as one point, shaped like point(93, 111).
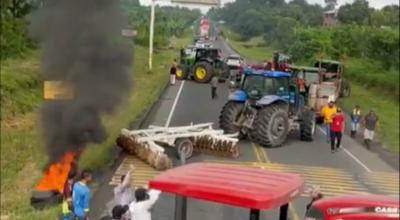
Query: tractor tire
point(307, 126)
point(229, 114)
point(185, 146)
point(271, 126)
point(345, 89)
point(202, 72)
point(181, 73)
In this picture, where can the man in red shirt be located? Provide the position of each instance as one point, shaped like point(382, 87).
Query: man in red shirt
point(337, 129)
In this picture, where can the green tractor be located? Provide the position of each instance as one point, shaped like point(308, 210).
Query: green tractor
point(201, 64)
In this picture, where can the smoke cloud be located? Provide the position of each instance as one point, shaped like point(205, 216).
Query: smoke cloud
point(81, 43)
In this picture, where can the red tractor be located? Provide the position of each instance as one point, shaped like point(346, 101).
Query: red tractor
point(355, 207)
point(280, 62)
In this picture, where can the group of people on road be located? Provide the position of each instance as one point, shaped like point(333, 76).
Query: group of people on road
point(132, 203)
point(334, 123)
point(76, 196)
point(128, 203)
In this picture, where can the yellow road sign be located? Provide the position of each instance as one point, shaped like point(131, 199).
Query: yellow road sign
point(57, 90)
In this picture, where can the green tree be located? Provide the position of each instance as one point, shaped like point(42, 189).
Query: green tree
point(356, 13)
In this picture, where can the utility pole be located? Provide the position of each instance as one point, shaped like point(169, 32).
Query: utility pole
point(151, 34)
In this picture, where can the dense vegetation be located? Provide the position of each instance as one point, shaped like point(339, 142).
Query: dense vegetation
point(170, 21)
point(366, 39)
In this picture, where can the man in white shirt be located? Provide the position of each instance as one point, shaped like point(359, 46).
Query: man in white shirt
point(145, 199)
point(124, 192)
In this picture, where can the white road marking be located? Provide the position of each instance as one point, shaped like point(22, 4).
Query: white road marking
point(171, 113)
point(350, 154)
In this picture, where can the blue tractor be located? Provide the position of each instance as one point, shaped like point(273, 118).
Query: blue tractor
point(266, 108)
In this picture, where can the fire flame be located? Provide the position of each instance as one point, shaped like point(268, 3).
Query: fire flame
point(56, 174)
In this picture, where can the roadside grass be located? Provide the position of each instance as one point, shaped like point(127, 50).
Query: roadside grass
point(22, 157)
point(254, 49)
point(372, 86)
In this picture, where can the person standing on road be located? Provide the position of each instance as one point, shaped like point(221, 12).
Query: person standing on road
point(214, 85)
point(355, 120)
point(370, 123)
point(145, 199)
point(81, 196)
point(172, 72)
point(326, 112)
point(67, 206)
point(301, 84)
point(337, 129)
point(124, 192)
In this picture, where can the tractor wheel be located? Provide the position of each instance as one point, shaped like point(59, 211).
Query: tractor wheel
point(345, 89)
point(181, 73)
point(271, 126)
point(202, 72)
point(307, 126)
point(185, 146)
point(229, 114)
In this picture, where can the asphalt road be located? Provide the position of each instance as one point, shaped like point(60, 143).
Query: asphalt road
point(352, 170)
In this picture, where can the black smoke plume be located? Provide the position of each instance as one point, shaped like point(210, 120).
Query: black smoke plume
point(81, 43)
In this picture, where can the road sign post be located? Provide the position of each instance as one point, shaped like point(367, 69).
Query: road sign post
point(152, 14)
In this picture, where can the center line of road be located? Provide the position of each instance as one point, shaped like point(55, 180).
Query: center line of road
point(350, 154)
point(171, 113)
point(261, 156)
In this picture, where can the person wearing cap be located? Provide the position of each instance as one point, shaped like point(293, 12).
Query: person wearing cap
point(326, 112)
point(337, 129)
point(355, 120)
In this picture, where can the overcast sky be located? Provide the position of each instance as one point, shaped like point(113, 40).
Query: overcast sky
point(372, 3)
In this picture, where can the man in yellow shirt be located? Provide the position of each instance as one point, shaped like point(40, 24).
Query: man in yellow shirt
point(327, 112)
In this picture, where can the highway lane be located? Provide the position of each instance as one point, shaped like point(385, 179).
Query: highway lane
point(337, 174)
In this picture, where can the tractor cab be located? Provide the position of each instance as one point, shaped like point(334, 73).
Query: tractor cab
point(355, 207)
point(266, 108)
point(201, 64)
point(224, 184)
point(265, 87)
point(333, 76)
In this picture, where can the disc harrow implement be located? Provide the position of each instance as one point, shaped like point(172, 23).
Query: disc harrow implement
point(148, 144)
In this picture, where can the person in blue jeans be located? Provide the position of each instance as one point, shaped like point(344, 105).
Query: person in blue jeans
point(355, 120)
point(81, 196)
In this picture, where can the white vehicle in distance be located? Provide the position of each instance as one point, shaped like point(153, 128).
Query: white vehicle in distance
point(235, 64)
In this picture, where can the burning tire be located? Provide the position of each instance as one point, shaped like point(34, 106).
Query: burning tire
point(271, 126)
point(202, 72)
point(307, 126)
point(229, 114)
point(184, 146)
point(43, 199)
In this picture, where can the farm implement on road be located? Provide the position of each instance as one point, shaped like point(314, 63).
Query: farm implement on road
point(148, 144)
